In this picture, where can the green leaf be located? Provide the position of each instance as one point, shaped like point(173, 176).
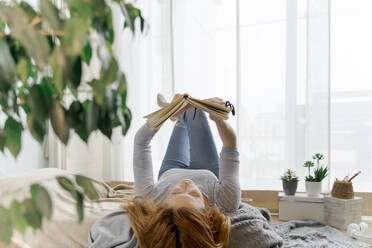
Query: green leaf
point(320, 173)
point(76, 32)
point(105, 125)
point(87, 186)
point(50, 14)
point(22, 69)
point(34, 73)
point(66, 184)
point(76, 118)
point(32, 215)
point(38, 103)
point(42, 200)
point(107, 77)
point(58, 61)
point(7, 65)
point(35, 44)
point(2, 26)
point(48, 87)
point(16, 216)
point(309, 178)
point(309, 164)
point(13, 130)
point(92, 116)
point(290, 176)
point(2, 140)
point(131, 13)
point(142, 23)
point(51, 42)
point(83, 134)
point(82, 9)
point(75, 114)
point(6, 228)
point(127, 12)
point(108, 28)
point(318, 157)
point(98, 6)
point(87, 53)
point(30, 12)
point(36, 128)
point(59, 122)
point(75, 75)
point(79, 197)
point(128, 119)
point(99, 90)
point(122, 85)
point(110, 75)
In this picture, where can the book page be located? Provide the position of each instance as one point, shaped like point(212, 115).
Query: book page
point(157, 118)
point(214, 109)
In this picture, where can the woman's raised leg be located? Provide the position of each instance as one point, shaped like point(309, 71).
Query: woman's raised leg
point(203, 152)
point(177, 154)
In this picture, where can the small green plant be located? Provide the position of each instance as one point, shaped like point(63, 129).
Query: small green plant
point(290, 176)
point(320, 172)
point(318, 157)
point(309, 164)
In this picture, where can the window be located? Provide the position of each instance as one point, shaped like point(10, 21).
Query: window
point(298, 75)
point(351, 87)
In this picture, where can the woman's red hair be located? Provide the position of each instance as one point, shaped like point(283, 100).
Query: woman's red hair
point(158, 226)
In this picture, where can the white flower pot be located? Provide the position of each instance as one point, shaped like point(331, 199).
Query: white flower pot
point(313, 188)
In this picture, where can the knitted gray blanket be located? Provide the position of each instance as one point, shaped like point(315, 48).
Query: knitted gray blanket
point(250, 227)
point(313, 234)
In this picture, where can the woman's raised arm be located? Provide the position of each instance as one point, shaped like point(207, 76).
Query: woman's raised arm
point(142, 161)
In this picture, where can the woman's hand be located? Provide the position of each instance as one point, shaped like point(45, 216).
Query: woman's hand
point(226, 132)
point(218, 101)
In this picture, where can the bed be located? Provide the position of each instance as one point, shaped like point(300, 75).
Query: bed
point(249, 227)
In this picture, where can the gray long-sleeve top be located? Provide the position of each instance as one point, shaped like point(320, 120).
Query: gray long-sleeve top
point(223, 192)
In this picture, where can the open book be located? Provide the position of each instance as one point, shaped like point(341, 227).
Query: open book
point(157, 118)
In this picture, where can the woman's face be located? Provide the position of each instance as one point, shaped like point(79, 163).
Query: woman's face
point(186, 195)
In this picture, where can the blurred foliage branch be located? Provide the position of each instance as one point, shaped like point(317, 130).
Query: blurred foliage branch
point(32, 210)
point(42, 52)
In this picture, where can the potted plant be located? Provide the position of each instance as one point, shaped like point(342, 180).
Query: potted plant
point(314, 183)
point(290, 181)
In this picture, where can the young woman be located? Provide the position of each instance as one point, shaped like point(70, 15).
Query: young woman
point(183, 208)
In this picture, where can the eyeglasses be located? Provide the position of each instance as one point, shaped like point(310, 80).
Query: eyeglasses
point(230, 105)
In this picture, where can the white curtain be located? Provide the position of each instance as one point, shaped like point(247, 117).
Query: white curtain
point(271, 62)
point(351, 87)
point(146, 59)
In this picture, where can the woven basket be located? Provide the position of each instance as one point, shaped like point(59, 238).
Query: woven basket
point(342, 190)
